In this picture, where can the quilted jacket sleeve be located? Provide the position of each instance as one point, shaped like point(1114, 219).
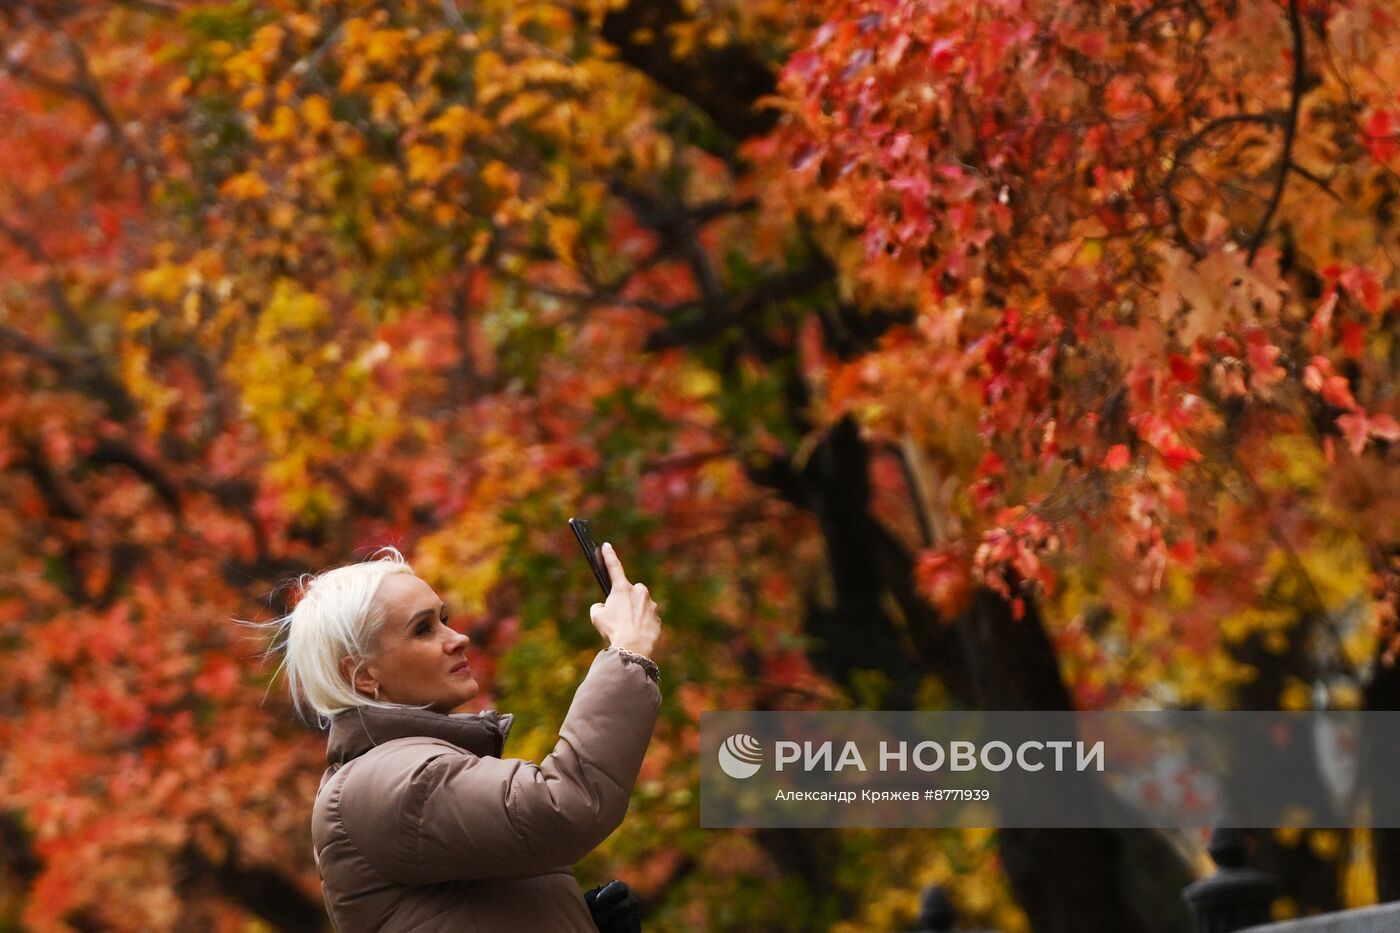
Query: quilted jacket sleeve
point(457, 816)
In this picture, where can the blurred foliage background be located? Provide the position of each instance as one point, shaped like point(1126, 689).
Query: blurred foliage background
point(1005, 354)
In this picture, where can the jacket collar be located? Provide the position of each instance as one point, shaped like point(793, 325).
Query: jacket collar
point(355, 731)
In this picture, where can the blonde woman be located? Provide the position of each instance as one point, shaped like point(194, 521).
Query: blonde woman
point(420, 823)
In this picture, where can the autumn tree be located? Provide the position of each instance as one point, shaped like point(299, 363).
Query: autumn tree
point(1007, 355)
point(1147, 388)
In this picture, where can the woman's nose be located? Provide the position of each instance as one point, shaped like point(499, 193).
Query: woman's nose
point(457, 640)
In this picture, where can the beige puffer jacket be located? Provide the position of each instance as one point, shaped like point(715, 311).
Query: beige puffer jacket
point(420, 825)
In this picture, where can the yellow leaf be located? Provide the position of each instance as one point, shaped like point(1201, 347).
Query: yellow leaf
point(354, 75)
point(267, 40)
point(1296, 695)
point(387, 101)
point(316, 112)
point(563, 235)
point(140, 320)
point(190, 306)
point(1326, 844)
point(244, 69)
point(244, 186)
point(480, 241)
point(496, 174)
point(456, 123)
point(523, 106)
point(699, 383)
point(1089, 253)
point(385, 46)
point(165, 282)
point(303, 24)
point(426, 163)
point(282, 127)
point(386, 181)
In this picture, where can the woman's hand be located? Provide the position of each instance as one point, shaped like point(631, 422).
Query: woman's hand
point(627, 619)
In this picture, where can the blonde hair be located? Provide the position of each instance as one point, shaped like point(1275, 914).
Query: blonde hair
point(335, 617)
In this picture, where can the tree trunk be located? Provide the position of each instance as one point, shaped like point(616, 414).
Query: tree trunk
point(1066, 880)
point(1381, 767)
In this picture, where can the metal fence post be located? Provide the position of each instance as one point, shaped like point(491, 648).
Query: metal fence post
point(1234, 897)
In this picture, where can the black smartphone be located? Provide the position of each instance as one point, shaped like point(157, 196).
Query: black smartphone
point(592, 552)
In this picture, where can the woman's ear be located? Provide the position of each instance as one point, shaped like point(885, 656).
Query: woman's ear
point(362, 677)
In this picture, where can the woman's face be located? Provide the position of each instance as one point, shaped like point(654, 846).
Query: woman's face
point(417, 658)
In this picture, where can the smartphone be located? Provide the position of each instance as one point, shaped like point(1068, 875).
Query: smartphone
point(592, 552)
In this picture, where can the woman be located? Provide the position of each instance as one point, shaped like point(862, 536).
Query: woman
point(419, 823)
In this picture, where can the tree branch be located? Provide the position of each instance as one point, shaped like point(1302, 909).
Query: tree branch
point(57, 493)
point(112, 451)
point(1189, 146)
point(1316, 179)
point(915, 492)
point(29, 244)
point(22, 343)
point(84, 86)
point(210, 858)
point(723, 310)
point(724, 82)
point(95, 376)
point(1290, 127)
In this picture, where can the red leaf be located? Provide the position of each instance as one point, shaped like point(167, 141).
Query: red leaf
point(1315, 372)
point(1355, 430)
point(945, 577)
point(1183, 552)
point(1179, 455)
point(1380, 135)
point(991, 465)
point(1182, 370)
point(1337, 391)
point(1385, 427)
point(941, 54)
point(1361, 283)
point(1353, 339)
point(1322, 317)
point(1116, 458)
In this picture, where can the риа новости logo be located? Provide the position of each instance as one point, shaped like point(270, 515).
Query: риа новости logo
point(740, 756)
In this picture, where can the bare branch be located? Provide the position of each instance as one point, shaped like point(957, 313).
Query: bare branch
point(30, 245)
point(60, 496)
point(723, 310)
point(1316, 179)
point(115, 451)
point(453, 15)
point(723, 82)
point(1290, 127)
point(83, 86)
point(903, 453)
point(95, 374)
point(1189, 146)
point(22, 343)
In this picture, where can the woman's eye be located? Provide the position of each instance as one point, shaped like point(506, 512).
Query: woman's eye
point(423, 629)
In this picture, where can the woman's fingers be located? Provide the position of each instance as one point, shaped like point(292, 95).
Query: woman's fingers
point(616, 576)
point(628, 617)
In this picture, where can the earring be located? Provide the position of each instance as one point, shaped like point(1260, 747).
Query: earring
point(376, 693)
